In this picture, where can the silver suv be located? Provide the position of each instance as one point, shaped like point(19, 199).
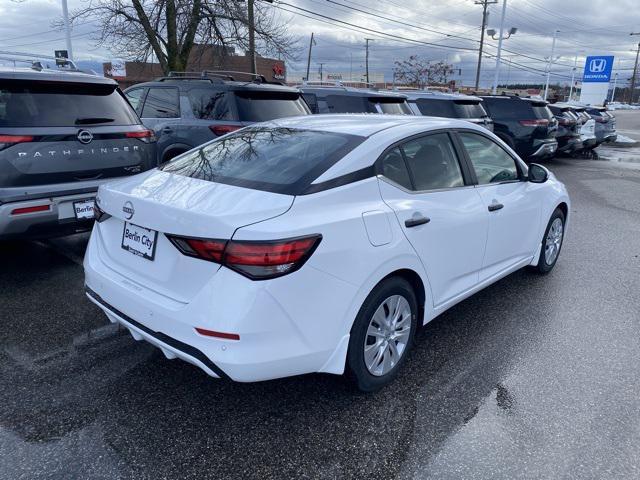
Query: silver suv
point(62, 134)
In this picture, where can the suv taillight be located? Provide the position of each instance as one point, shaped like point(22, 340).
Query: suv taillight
point(601, 119)
point(538, 122)
point(257, 260)
point(146, 136)
point(220, 130)
point(8, 140)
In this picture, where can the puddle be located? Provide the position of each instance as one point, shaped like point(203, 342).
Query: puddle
point(622, 155)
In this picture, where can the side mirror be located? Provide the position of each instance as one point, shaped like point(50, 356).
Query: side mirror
point(537, 173)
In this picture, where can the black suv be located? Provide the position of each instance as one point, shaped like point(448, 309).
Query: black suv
point(188, 109)
point(525, 124)
point(449, 105)
point(339, 99)
point(62, 134)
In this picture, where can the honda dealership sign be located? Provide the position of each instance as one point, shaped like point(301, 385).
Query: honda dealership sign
point(595, 81)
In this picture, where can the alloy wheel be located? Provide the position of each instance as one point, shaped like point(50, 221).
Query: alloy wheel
point(553, 242)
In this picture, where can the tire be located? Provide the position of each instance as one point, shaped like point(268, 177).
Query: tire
point(546, 263)
point(171, 155)
point(388, 348)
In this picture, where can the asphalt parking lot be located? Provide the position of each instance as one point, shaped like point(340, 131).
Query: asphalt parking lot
point(535, 377)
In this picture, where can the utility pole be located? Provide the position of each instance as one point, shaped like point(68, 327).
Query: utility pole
point(367, 59)
point(67, 28)
point(485, 4)
point(553, 50)
point(573, 76)
point(615, 84)
point(312, 42)
point(252, 36)
point(635, 70)
point(497, 73)
point(321, 76)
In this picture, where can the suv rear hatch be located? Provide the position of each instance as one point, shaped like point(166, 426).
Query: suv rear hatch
point(544, 122)
point(393, 105)
point(57, 132)
point(256, 105)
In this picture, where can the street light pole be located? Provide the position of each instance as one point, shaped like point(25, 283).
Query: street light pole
point(67, 28)
point(311, 44)
point(553, 50)
point(497, 73)
point(367, 59)
point(635, 70)
point(615, 84)
point(573, 76)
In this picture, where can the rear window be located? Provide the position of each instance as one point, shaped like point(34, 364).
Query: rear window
point(507, 109)
point(542, 111)
point(209, 104)
point(44, 104)
point(349, 104)
point(262, 106)
point(469, 109)
point(279, 160)
point(391, 105)
point(436, 108)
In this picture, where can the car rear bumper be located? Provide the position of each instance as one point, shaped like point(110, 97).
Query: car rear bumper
point(57, 219)
point(282, 330)
point(544, 150)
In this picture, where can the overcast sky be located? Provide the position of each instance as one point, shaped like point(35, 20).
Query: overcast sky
point(586, 27)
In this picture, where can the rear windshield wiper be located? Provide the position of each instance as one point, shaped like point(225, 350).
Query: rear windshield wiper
point(91, 120)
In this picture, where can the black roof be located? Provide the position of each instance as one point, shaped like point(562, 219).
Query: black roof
point(197, 82)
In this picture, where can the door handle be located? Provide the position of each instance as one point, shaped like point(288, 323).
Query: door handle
point(495, 206)
point(415, 221)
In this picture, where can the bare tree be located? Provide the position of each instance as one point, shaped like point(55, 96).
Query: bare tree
point(419, 73)
point(169, 29)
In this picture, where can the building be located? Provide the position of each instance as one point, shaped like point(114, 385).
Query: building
point(202, 57)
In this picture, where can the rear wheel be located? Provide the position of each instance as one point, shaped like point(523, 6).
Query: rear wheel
point(551, 242)
point(382, 334)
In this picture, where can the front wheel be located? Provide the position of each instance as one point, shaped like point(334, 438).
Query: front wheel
point(552, 242)
point(382, 334)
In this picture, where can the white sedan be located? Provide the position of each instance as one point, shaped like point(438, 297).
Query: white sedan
point(317, 243)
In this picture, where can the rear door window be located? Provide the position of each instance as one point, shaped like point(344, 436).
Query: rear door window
point(260, 106)
point(209, 104)
point(280, 160)
point(433, 162)
point(395, 169)
point(26, 103)
point(161, 102)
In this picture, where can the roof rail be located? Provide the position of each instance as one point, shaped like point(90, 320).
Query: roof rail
point(255, 76)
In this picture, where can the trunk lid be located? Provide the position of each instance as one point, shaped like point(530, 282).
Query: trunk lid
point(174, 204)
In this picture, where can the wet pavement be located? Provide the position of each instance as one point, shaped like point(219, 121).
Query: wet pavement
point(535, 377)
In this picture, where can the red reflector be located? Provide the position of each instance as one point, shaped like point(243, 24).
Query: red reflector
point(267, 254)
point(15, 138)
point(36, 208)
point(540, 122)
point(140, 134)
point(220, 130)
point(211, 333)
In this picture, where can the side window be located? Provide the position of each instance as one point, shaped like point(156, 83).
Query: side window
point(394, 168)
point(312, 101)
point(433, 162)
point(161, 103)
point(209, 104)
point(490, 162)
point(135, 97)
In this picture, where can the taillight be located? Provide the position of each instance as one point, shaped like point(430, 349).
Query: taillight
point(258, 260)
point(146, 136)
point(566, 122)
point(600, 119)
point(538, 122)
point(8, 140)
point(220, 130)
point(205, 249)
point(33, 209)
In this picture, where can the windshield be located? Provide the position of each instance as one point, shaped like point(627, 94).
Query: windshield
point(261, 106)
point(44, 104)
point(280, 160)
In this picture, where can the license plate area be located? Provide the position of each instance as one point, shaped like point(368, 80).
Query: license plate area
point(139, 241)
point(83, 209)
